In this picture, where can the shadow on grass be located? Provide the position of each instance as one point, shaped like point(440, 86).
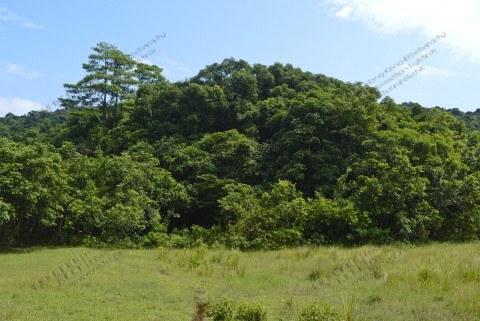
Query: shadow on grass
point(25, 250)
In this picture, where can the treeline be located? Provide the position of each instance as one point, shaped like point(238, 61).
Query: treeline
point(246, 156)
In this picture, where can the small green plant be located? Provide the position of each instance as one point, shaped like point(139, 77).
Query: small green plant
point(223, 310)
point(196, 258)
point(316, 312)
point(286, 266)
point(251, 312)
point(241, 271)
point(205, 270)
point(425, 274)
point(447, 283)
point(348, 308)
point(232, 260)
point(217, 257)
point(469, 272)
point(162, 253)
point(228, 310)
point(192, 259)
point(303, 253)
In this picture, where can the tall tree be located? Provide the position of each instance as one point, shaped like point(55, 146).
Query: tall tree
point(110, 80)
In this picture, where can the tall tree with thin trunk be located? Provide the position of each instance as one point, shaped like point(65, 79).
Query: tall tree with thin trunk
point(110, 80)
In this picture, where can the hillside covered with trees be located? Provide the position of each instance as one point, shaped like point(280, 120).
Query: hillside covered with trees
point(250, 156)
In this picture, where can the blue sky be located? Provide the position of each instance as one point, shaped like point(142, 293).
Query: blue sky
point(44, 43)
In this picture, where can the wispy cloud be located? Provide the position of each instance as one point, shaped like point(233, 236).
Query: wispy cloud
point(144, 61)
point(6, 16)
point(19, 70)
point(174, 70)
point(459, 19)
point(18, 106)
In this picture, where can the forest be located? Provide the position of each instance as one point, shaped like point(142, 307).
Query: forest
point(246, 156)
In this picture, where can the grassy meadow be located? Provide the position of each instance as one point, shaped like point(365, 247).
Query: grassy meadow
point(432, 282)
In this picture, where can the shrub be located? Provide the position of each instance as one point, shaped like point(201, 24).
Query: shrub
point(228, 310)
point(270, 220)
point(154, 239)
point(316, 312)
point(251, 312)
point(222, 310)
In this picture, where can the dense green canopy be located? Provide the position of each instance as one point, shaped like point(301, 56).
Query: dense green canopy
point(248, 156)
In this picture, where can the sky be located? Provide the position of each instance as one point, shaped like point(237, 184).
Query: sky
point(430, 50)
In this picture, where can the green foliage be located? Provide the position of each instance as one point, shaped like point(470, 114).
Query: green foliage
point(249, 156)
point(41, 126)
point(232, 154)
point(270, 219)
point(251, 312)
point(33, 191)
point(229, 310)
point(316, 312)
point(332, 222)
point(109, 81)
point(223, 310)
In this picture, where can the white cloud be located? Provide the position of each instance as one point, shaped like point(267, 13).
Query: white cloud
point(344, 12)
point(459, 19)
point(174, 69)
point(178, 66)
point(6, 16)
point(18, 106)
point(19, 70)
point(144, 61)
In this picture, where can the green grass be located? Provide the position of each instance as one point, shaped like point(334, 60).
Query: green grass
point(434, 282)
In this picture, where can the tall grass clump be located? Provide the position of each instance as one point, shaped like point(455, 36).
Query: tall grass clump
point(348, 308)
point(469, 272)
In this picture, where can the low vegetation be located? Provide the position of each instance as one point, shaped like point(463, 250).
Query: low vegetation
point(431, 282)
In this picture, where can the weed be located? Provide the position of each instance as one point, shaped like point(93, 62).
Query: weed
point(205, 270)
point(232, 260)
point(425, 274)
point(241, 271)
point(217, 257)
point(447, 283)
point(303, 253)
point(286, 266)
point(469, 272)
point(348, 308)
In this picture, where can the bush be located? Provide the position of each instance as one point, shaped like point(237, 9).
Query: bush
point(223, 310)
point(228, 310)
point(251, 312)
point(316, 312)
point(270, 220)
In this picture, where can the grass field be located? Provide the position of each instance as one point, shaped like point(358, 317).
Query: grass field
point(434, 282)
